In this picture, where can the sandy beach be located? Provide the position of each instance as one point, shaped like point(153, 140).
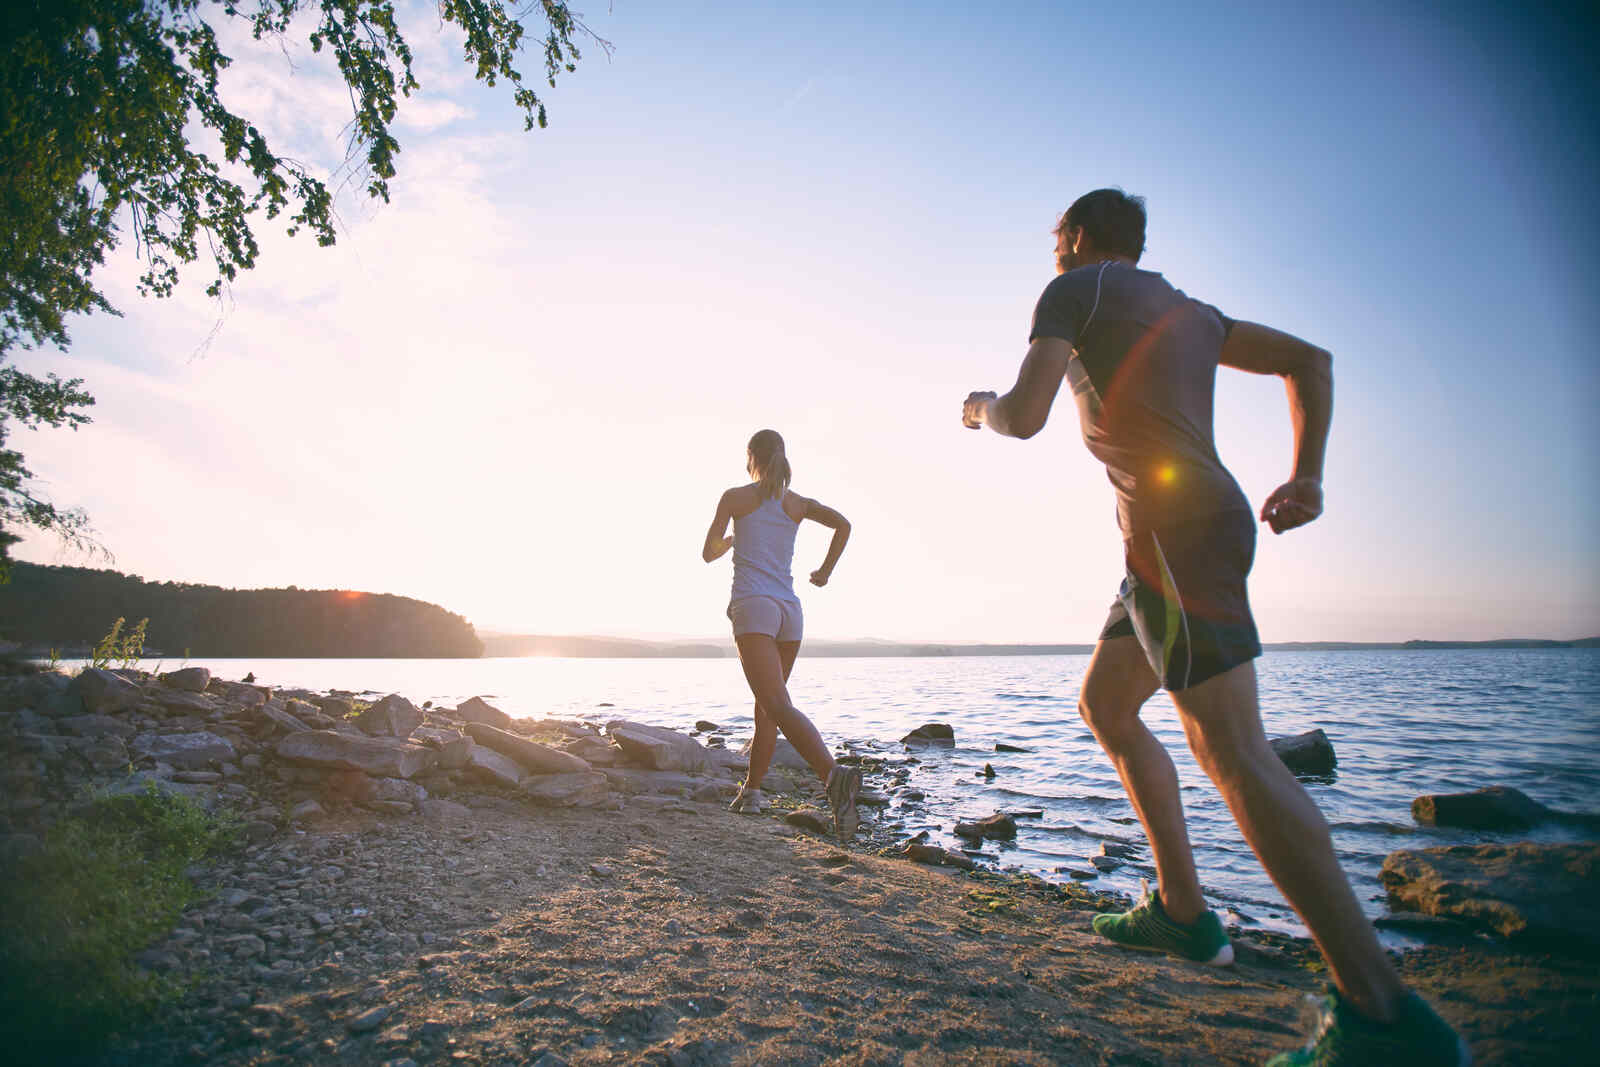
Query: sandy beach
point(678, 933)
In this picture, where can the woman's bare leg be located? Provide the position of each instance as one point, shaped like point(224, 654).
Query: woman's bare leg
point(766, 738)
point(764, 670)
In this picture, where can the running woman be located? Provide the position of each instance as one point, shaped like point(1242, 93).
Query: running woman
point(767, 623)
point(1142, 360)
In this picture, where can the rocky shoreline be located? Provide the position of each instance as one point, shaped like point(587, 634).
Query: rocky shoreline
point(429, 885)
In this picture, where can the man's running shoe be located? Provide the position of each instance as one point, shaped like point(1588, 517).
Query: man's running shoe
point(1341, 1037)
point(1148, 926)
point(844, 785)
point(748, 802)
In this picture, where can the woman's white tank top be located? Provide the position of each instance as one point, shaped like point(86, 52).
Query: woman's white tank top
point(763, 552)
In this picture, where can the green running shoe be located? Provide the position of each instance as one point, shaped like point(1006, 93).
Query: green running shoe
point(1148, 926)
point(1341, 1037)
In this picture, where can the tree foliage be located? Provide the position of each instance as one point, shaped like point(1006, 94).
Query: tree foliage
point(104, 105)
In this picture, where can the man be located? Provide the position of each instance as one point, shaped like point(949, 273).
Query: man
point(1141, 358)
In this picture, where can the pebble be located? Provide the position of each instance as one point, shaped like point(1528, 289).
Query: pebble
point(600, 870)
point(368, 1020)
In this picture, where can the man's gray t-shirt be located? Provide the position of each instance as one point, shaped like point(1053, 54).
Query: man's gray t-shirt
point(1143, 374)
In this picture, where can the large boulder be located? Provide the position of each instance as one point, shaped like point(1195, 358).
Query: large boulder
point(582, 789)
point(380, 757)
point(1498, 807)
point(1000, 826)
point(191, 751)
point(487, 765)
point(932, 733)
point(1308, 753)
point(193, 679)
point(658, 748)
point(102, 692)
point(479, 710)
point(393, 716)
point(1543, 894)
point(532, 756)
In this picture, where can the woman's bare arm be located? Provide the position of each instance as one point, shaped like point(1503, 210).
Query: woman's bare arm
point(817, 511)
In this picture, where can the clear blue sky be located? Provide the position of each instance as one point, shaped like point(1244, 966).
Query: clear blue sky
point(519, 389)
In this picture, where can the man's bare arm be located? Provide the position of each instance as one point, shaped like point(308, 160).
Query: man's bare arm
point(1307, 372)
point(1026, 408)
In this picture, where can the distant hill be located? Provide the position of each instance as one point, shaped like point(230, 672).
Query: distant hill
point(71, 608)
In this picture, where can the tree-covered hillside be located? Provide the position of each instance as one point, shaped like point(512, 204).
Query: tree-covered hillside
point(72, 607)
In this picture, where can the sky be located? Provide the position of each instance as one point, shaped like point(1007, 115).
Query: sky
point(518, 389)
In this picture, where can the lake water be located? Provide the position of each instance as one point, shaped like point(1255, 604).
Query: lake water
point(1402, 723)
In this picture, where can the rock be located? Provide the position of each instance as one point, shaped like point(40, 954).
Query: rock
point(935, 856)
point(436, 810)
point(580, 789)
point(489, 765)
point(706, 726)
point(1540, 894)
point(192, 750)
point(249, 696)
point(104, 753)
point(334, 707)
point(307, 809)
point(479, 710)
point(658, 748)
point(818, 822)
point(1307, 753)
point(393, 716)
point(998, 826)
point(282, 719)
point(784, 756)
point(1104, 863)
point(600, 870)
point(197, 777)
point(1001, 746)
point(455, 748)
point(96, 726)
point(368, 1020)
point(398, 790)
point(1495, 808)
point(380, 757)
point(931, 733)
point(101, 692)
point(1079, 873)
point(1119, 852)
point(711, 793)
point(193, 679)
point(988, 770)
point(181, 702)
point(139, 783)
point(532, 756)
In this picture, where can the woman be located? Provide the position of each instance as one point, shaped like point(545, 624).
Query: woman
point(766, 617)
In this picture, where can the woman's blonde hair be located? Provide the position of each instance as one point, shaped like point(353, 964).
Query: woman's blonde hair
point(771, 466)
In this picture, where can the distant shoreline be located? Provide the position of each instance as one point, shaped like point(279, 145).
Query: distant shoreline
point(520, 646)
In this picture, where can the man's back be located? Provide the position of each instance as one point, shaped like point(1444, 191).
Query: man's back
point(1143, 376)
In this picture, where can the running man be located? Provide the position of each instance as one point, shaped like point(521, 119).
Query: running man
point(1142, 358)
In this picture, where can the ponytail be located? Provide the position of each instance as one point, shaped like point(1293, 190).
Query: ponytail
point(767, 456)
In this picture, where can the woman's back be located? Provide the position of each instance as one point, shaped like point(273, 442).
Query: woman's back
point(763, 550)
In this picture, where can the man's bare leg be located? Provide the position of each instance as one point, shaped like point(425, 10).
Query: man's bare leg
point(1222, 719)
point(1118, 682)
point(765, 741)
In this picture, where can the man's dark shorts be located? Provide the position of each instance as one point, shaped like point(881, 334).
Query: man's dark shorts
point(1184, 597)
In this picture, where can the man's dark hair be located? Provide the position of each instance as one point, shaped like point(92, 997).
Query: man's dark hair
point(1113, 220)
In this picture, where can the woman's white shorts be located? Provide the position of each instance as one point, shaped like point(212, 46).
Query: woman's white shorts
point(778, 619)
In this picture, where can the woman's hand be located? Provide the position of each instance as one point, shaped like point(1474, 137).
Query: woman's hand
point(819, 577)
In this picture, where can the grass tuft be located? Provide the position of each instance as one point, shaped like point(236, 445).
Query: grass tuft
point(107, 882)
